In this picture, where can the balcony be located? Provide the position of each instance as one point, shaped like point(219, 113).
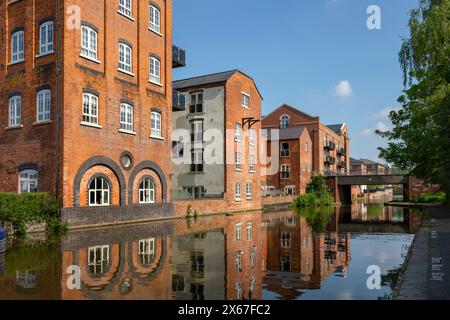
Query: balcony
point(330, 146)
point(341, 164)
point(178, 57)
point(178, 101)
point(330, 160)
point(341, 152)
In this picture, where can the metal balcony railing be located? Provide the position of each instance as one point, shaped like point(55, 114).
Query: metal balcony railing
point(178, 101)
point(178, 57)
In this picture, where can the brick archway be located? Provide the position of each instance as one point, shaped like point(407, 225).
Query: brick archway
point(98, 161)
point(155, 168)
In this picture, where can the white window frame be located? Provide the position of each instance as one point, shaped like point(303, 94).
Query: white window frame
point(43, 105)
point(306, 147)
point(126, 8)
point(252, 136)
point(104, 257)
point(238, 231)
point(46, 34)
point(90, 109)
point(245, 100)
point(126, 117)
point(249, 190)
point(290, 190)
point(28, 181)
point(238, 133)
point(18, 47)
point(238, 191)
point(147, 191)
point(285, 169)
point(196, 100)
point(252, 163)
point(197, 160)
point(89, 43)
point(15, 111)
point(154, 19)
point(104, 189)
point(125, 58)
point(238, 262)
point(147, 250)
point(285, 153)
point(283, 124)
point(155, 70)
point(249, 231)
point(156, 125)
point(238, 161)
point(197, 131)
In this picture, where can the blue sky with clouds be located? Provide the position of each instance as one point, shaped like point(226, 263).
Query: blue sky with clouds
point(316, 55)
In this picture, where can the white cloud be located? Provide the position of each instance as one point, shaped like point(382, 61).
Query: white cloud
point(367, 132)
point(343, 89)
point(384, 114)
point(381, 126)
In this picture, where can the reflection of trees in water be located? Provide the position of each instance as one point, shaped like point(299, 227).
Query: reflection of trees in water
point(390, 280)
point(316, 218)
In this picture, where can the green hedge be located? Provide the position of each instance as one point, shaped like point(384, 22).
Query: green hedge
point(431, 197)
point(316, 195)
point(20, 209)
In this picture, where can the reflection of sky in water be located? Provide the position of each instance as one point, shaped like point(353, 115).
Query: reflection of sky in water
point(383, 250)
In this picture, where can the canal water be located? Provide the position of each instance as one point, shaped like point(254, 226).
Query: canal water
point(348, 252)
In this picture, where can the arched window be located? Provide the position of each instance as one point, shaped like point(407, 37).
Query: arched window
point(126, 117)
point(43, 103)
point(147, 251)
point(284, 122)
point(155, 19)
point(99, 192)
point(146, 191)
point(98, 259)
point(15, 110)
point(28, 181)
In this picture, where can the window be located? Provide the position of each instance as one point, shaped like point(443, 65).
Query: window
point(155, 19)
point(17, 47)
point(238, 191)
point(46, 38)
point(90, 108)
point(251, 288)
point(237, 161)
point(156, 125)
point(249, 230)
point(238, 288)
point(195, 192)
point(245, 100)
point(290, 191)
point(252, 137)
point(99, 192)
point(126, 117)
point(155, 70)
point(197, 160)
point(28, 181)
point(238, 262)
point(177, 149)
point(252, 257)
point(88, 42)
point(306, 147)
point(249, 190)
point(238, 133)
point(125, 58)
point(285, 171)
point(284, 122)
point(238, 231)
point(197, 131)
point(284, 152)
point(98, 259)
point(196, 105)
point(125, 7)
point(15, 111)
point(252, 164)
point(285, 261)
point(146, 251)
point(146, 191)
point(43, 105)
point(285, 240)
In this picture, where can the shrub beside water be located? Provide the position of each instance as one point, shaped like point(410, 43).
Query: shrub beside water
point(317, 194)
point(430, 197)
point(21, 209)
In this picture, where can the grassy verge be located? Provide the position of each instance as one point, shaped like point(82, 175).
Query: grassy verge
point(430, 197)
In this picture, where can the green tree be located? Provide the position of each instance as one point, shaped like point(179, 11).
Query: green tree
point(420, 139)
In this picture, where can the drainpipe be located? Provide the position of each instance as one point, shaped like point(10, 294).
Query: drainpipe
point(58, 97)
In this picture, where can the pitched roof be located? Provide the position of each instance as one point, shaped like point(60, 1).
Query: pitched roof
point(285, 105)
point(336, 127)
point(214, 78)
point(367, 161)
point(287, 134)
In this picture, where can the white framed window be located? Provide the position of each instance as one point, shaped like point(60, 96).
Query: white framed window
point(252, 257)
point(238, 288)
point(17, 47)
point(90, 108)
point(88, 42)
point(197, 160)
point(126, 7)
point(285, 171)
point(177, 149)
point(155, 70)
point(238, 191)
point(238, 263)
point(245, 100)
point(195, 192)
point(98, 259)
point(238, 161)
point(15, 111)
point(196, 104)
point(146, 191)
point(238, 133)
point(155, 124)
point(99, 192)
point(306, 147)
point(125, 58)
point(285, 240)
point(249, 230)
point(285, 149)
point(284, 122)
point(238, 231)
point(126, 117)
point(147, 250)
point(252, 162)
point(197, 131)
point(155, 19)
point(46, 38)
point(290, 190)
point(249, 190)
point(252, 137)
point(28, 181)
point(43, 103)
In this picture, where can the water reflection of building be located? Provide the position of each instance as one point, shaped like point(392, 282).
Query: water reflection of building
point(298, 259)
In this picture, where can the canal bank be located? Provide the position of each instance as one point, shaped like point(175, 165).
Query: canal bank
point(427, 268)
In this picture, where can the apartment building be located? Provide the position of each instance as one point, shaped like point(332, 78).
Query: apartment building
point(294, 160)
point(215, 140)
point(86, 100)
point(367, 167)
point(330, 143)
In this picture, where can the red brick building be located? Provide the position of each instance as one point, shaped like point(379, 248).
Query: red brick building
point(86, 90)
point(330, 143)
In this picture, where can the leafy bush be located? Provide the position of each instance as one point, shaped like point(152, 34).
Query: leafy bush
point(20, 209)
point(431, 197)
point(316, 194)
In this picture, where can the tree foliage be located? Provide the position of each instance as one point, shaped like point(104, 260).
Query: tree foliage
point(420, 139)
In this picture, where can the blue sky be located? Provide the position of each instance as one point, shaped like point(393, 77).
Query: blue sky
point(316, 55)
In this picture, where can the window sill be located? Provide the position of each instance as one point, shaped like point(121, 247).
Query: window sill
point(245, 107)
point(45, 54)
point(252, 171)
point(126, 72)
point(200, 172)
point(19, 126)
point(156, 32)
point(237, 140)
point(126, 16)
point(157, 138)
point(92, 125)
point(159, 84)
point(249, 199)
point(90, 59)
point(41, 123)
point(238, 200)
point(238, 170)
point(16, 62)
point(127, 132)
